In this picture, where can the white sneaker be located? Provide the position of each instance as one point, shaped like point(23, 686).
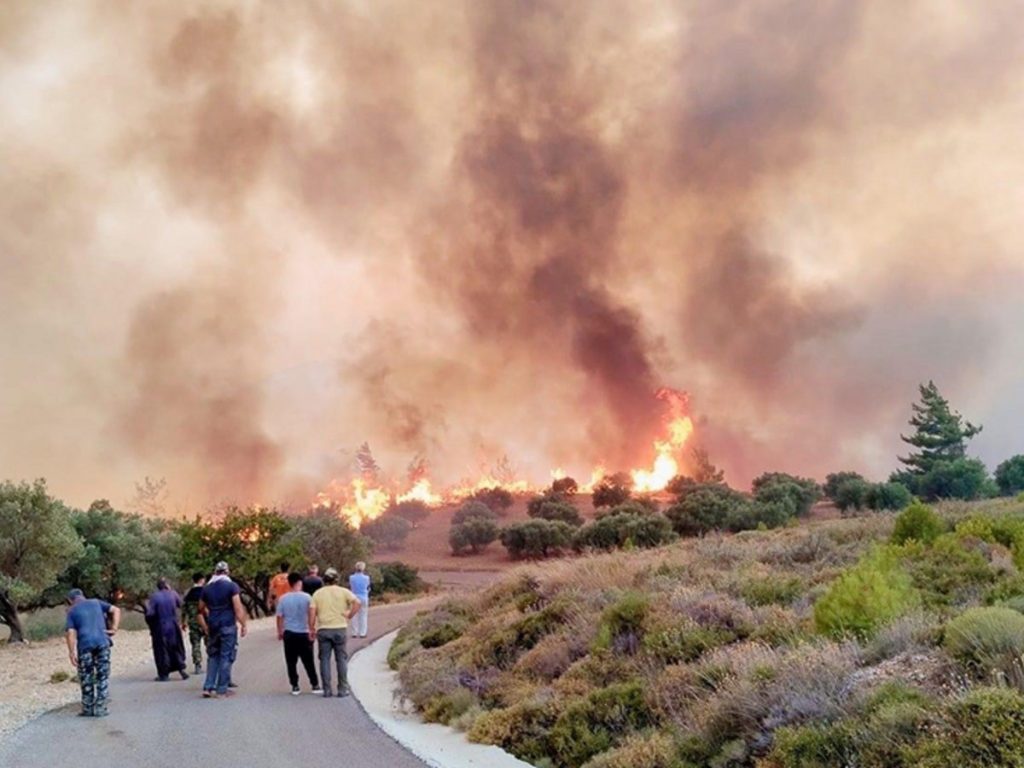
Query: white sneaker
point(295, 690)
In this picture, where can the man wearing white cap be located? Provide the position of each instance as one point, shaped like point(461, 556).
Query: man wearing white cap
point(221, 613)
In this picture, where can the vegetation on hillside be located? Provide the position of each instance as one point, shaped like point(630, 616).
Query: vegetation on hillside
point(877, 641)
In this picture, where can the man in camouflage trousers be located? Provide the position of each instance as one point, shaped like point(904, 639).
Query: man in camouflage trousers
point(88, 638)
point(190, 620)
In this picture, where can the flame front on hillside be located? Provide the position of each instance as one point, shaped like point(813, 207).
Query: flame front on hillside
point(366, 498)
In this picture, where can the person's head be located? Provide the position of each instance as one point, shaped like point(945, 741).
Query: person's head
point(360, 567)
point(221, 569)
point(198, 579)
point(314, 569)
point(75, 596)
point(330, 576)
point(285, 567)
point(295, 581)
point(161, 583)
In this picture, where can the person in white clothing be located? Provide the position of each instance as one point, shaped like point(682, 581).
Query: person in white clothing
point(359, 585)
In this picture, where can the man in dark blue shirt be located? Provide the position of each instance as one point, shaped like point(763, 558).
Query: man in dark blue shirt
point(89, 648)
point(221, 613)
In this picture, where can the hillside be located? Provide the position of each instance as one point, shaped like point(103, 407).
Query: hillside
point(817, 645)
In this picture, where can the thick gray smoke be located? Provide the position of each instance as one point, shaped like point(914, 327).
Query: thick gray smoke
point(238, 240)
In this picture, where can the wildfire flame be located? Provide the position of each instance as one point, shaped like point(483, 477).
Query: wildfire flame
point(421, 491)
point(679, 428)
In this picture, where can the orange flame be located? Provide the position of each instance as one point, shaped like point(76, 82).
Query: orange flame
point(666, 466)
point(421, 491)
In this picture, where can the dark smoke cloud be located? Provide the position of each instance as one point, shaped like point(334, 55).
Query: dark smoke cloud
point(238, 241)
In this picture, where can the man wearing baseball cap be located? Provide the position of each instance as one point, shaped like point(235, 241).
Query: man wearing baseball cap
point(221, 613)
point(89, 648)
point(330, 610)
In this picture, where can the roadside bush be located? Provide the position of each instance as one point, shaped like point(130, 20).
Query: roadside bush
point(646, 750)
point(986, 639)
point(706, 508)
point(558, 510)
point(497, 499)
point(522, 729)
point(852, 494)
point(835, 480)
point(887, 496)
point(536, 538)
point(612, 490)
point(473, 509)
point(866, 596)
point(388, 531)
point(957, 479)
point(397, 577)
point(620, 530)
point(473, 535)
point(1010, 475)
point(413, 511)
point(802, 490)
point(599, 722)
point(917, 523)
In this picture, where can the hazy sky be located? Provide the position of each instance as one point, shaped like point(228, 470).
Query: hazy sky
point(238, 239)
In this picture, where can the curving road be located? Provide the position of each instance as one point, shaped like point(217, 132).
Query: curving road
point(169, 725)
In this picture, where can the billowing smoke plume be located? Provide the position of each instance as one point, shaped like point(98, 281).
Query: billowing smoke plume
point(238, 241)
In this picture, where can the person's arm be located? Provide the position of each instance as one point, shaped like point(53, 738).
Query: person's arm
point(240, 615)
point(203, 610)
point(312, 620)
point(356, 605)
point(115, 620)
point(72, 638)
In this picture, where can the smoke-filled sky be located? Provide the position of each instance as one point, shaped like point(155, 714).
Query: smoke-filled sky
point(238, 239)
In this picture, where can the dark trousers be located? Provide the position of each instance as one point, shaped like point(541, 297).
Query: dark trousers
point(333, 641)
point(221, 647)
point(297, 645)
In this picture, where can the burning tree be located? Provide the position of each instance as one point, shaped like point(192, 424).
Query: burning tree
point(366, 465)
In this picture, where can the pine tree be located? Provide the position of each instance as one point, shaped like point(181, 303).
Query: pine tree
point(703, 470)
point(941, 434)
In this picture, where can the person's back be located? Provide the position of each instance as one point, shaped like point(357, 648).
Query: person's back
point(278, 587)
point(89, 620)
point(218, 597)
point(332, 607)
point(311, 584)
point(359, 584)
point(293, 608)
point(190, 620)
point(333, 604)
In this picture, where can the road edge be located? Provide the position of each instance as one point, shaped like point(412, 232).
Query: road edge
point(373, 684)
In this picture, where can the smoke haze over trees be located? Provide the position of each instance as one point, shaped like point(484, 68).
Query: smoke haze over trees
point(236, 239)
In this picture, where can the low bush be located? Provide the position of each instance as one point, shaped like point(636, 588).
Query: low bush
point(644, 750)
point(522, 729)
point(413, 511)
point(948, 573)
point(917, 523)
point(473, 509)
point(612, 490)
point(557, 510)
point(622, 624)
point(706, 508)
point(871, 593)
point(397, 577)
point(536, 538)
point(958, 479)
point(986, 639)
point(473, 535)
point(983, 729)
point(497, 499)
point(534, 504)
point(835, 480)
point(641, 505)
point(566, 486)
point(771, 589)
point(388, 531)
point(851, 494)
point(887, 496)
point(599, 722)
point(773, 486)
point(621, 530)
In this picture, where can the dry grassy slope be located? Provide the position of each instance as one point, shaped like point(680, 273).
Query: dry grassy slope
point(520, 664)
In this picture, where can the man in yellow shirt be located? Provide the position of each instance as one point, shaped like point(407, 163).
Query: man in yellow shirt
point(329, 613)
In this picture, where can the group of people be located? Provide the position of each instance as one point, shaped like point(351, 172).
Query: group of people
point(308, 608)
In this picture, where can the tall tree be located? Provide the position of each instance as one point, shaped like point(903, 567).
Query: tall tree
point(940, 433)
point(37, 541)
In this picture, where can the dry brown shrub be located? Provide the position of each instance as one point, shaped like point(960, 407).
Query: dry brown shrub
point(646, 750)
point(547, 660)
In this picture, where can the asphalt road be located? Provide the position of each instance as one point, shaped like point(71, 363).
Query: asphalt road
point(170, 725)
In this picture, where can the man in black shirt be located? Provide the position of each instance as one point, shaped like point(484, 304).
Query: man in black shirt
point(312, 582)
point(190, 620)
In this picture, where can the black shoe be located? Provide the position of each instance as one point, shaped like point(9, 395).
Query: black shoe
point(232, 685)
point(295, 690)
point(343, 692)
point(328, 694)
point(183, 673)
point(198, 669)
point(161, 679)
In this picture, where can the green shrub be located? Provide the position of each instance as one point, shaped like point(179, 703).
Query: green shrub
point(771, 589)
point(388, 531)
point(536, 538)
point(986, 639)
point(918, 523)
point(413, 511)
point(685, 642)
point(887, 496)
point(622, 623)
point(522, 729)
point(706, 508)
point(644, 750)
point(947, 573)
point(396, 576)
point(836, 479)
point(498, 500)
point(642, 505)
point(958, 479)
point(473, 535)
point(446, 707)
point(473, 510)
point(505, 645)
point(851, 494)
point(619, 530)
point(557, 510)
point(1010, 475)
point(612, 490)
point(866, 596)
point(816, 745)
point(802, 491)
point(982, 730)
point(599, 722)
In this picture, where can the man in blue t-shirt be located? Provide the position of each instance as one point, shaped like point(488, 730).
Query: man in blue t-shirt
point(88, 639)
point(293, 630)
point(359, 585)
point(221, 613)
